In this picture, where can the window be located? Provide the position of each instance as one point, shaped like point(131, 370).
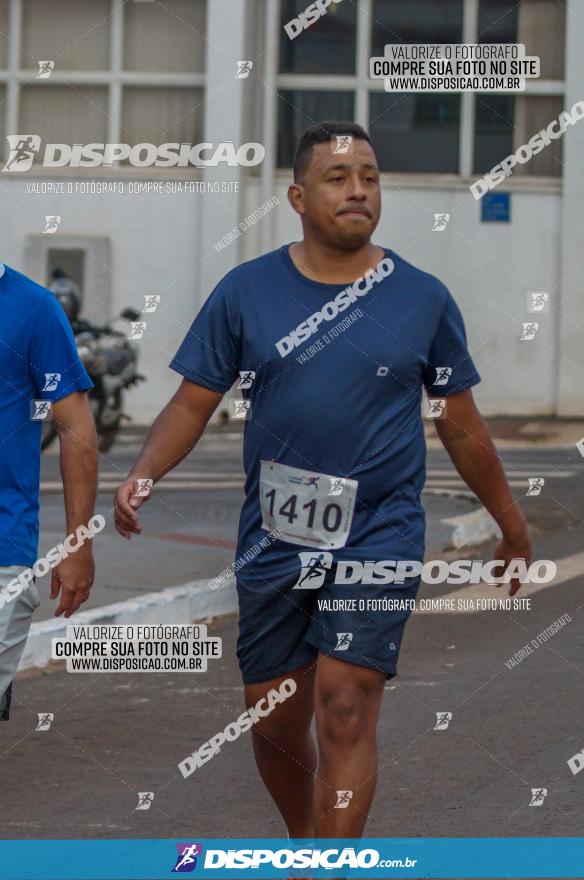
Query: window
point(298, 110)
point(415, 21)
point(123, 72)
point(531, 115)
point(3, 34)
point(505, 122)
point(167, 36)
point(162, 115)
point(468, 133)
point(530, 22)
point(493, 131)
point(497, 21)
point(326, 50)
point(403, 126)
point(71, 116)
point(76, 36)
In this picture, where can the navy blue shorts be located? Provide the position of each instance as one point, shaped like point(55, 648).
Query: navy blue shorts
point(281, 628)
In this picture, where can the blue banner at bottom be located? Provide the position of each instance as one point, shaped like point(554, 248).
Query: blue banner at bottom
point(227, 858)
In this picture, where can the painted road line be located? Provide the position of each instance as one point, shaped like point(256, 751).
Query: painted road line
point(569, 567)
point(201, 540)
point(112, 486)
point(512, 472)
point(451, 493)
point(458, 481)
point(472, 528)
point(124, 437)
point(179, 475)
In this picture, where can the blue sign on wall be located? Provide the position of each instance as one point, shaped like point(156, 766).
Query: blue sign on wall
point(496, 207)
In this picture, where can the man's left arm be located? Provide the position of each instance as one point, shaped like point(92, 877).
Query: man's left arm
point(468, 443)
point(73, 576)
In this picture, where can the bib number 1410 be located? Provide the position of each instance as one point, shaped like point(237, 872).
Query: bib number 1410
point(306, 507)
point(331, 516)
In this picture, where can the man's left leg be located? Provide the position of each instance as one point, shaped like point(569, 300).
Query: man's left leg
point(347, 701)
point(15, 617)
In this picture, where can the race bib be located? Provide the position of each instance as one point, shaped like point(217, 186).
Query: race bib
point(308, 508)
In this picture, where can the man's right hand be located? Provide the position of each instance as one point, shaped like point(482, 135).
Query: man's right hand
point(126, 507)
point(172, 436)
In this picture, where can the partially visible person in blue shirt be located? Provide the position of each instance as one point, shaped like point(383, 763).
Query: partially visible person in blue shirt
point(39, 362)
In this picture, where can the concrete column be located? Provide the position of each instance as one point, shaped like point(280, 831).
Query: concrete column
point(570, 387)
point(223, 121)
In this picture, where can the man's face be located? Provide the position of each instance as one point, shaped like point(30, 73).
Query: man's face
point(339, 197)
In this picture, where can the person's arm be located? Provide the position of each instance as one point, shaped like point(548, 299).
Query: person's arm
point(73, 576)
point(172, 436)
point(468, 443)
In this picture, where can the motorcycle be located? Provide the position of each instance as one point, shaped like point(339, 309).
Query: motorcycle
point(111, 361)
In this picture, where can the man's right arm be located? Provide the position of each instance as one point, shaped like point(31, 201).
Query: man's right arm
point(172, 436)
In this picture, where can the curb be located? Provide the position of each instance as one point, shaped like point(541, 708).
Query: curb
point(189, 602)
point(473, 528)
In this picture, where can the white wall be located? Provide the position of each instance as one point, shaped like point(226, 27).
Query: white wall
point(153, 250)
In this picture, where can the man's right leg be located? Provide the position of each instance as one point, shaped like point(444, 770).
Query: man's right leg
point(284, 750)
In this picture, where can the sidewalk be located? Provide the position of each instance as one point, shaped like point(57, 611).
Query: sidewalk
point(508, 431)
point(522, 432)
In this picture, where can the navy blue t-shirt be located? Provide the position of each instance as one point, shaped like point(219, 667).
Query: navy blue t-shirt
point(339, 371)
point(38, 361)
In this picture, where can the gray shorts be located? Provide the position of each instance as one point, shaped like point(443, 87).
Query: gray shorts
point(15, 617)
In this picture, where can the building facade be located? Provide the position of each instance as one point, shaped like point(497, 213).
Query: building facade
point(170, 71)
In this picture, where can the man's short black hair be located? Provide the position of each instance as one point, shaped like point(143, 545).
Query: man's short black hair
point(320, 134)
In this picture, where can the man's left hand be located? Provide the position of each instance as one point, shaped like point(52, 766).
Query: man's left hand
point(73, 578)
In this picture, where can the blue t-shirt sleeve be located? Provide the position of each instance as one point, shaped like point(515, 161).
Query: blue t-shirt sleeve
point(54, 364)
point(449, 368)
point(209, 354)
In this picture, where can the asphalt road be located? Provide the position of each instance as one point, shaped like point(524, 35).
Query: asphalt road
point(512, 729)
point(190, 522)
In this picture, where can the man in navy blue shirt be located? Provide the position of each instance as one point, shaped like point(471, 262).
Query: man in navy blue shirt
point(333, 339)
point(41, 376)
